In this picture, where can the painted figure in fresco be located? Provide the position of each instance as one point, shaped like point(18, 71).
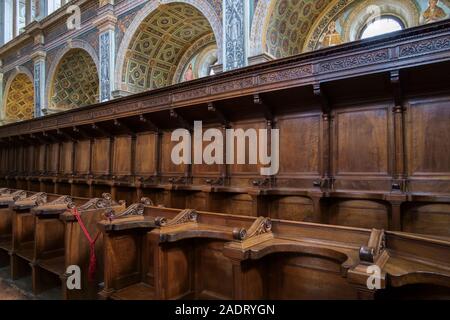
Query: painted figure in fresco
point(433, 13)
point(189, 75)
point(332, 36)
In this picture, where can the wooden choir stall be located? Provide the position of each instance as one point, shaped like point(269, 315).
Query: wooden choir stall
point(363, 183)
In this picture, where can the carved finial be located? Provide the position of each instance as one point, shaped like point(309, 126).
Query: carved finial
point(19, 195)
point(161, 221)
point(259, 227)
point(147, 201)
point(39, 198)
point(185, 216)
point(136, 209)
point(62, 200)
point(375, 246)
point(98, 203)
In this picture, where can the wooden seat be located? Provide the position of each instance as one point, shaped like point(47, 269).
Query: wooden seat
point(61, 243)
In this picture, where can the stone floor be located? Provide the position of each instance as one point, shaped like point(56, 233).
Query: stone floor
point(8, 292)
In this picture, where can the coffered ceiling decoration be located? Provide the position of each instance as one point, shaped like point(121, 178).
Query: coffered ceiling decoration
point(289, 24)
point(159, 44)
point(20, 99)
point(75, 83)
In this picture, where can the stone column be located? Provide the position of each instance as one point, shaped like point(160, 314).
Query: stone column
point(106, 23)
point(39, 83)
point(236, 33)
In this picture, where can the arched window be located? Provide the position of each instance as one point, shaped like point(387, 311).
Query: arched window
point(381, 26)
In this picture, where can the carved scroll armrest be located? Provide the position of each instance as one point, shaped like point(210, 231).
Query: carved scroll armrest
point(54, 207)
point(30, 202)
point(10, 198)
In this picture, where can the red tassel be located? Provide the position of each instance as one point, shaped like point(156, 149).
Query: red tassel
point(92, 258)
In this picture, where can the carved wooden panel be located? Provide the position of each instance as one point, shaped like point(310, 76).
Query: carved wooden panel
point(4, 160)
point(362, 141)
point(101, 156)
point(122, 155)
point(300, 144)
point(30, 159)
point(178, 258)
point(167, 165)
point(428, 145)
point(146, 153)
point(211, 262)
point(236, 204)
point(246, 169)
point(124, 263)
point(41, 158)
point(53, 158)
point(66, 157)
point(432, 219)
point(203, 169)
point(307, 277)
point(359, 213)
point(291, 208)
point(196, 200)
point(82, 156)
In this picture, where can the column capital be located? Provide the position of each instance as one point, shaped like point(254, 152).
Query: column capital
point(103, 3)
point(105, 21)
point(38, 55)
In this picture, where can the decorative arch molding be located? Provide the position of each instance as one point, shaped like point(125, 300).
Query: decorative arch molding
point(407, 11)
point(338, 7)
point(258, 30)
point(279, 27)
point(18, 70)
point(74, 44)
point(202, 5)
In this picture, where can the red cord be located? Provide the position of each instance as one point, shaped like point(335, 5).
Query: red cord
point(92, 258)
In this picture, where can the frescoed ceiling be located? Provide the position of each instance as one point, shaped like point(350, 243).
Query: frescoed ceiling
point(20, 99)
point(289, 24)
point(296, 26)
point(159, 44)
point(75, 83)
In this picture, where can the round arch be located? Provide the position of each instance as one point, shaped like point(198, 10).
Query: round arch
point(259, 26)
point(279, 27)
point(19, 70)
point(81, 45)
point(201, 5)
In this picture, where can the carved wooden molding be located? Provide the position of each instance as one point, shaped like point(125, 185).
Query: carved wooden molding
point(62, 200)
point(185, 216)
point(36, 199)
point(374, 248)
point(136, 209)
point(12, 197)
point(260, 231)
point(105, 201)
